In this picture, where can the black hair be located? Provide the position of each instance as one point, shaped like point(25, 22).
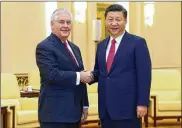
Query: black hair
point(116, 7)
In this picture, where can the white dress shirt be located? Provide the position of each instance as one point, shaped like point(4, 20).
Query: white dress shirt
point(77, 73)
point(118, 40)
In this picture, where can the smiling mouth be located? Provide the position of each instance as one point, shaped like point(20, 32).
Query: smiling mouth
point(114, 29)
point(65, 30)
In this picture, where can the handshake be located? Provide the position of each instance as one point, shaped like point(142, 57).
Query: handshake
point(86, 77)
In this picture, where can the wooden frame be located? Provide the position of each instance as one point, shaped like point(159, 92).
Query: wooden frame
point(30, 94)
point(90, 121)
point(155, 117)
point(13, 116)
point(4, 114)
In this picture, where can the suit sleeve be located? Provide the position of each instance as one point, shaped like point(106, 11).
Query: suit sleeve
point(96, 68)
point(85, 99)
point(143, 68)
point(49, 70)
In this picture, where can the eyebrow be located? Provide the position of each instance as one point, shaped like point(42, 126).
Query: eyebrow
point(115, 18)
point(64, 20)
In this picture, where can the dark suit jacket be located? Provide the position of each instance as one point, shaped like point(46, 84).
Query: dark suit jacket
point(128, 82)
point(61, 100)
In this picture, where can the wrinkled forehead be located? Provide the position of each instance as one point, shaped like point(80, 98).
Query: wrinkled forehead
point(63, 16)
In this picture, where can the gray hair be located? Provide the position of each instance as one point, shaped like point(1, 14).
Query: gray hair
point(58, 11)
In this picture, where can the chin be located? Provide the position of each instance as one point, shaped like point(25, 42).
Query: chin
point(64, 35)
point(115, 33)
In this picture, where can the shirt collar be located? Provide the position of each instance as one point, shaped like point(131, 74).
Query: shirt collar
point(118, 39)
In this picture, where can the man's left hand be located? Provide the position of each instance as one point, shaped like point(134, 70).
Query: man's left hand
point(141, 111)
point(85, 115)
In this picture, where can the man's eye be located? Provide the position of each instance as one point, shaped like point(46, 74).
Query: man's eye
point(62, 22)
point(68, 22)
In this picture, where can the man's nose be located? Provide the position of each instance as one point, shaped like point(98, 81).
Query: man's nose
point(114, 22)
point(65, 24)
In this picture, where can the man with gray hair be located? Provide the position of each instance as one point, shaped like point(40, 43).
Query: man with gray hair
point(63, 100)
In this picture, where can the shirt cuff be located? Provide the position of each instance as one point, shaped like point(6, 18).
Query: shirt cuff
point(77, 78)
point(85, 106)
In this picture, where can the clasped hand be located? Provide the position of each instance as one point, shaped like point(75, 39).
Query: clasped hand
point(86, 77)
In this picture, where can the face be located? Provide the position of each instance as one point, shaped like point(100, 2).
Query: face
point(61, 26)
point(115, 23)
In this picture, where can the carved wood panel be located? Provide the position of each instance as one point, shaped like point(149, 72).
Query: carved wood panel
point(22, 79)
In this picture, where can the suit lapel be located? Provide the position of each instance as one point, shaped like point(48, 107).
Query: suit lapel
point(120, 49)
point(77, 55)
point(105, 44)
point(57, 42)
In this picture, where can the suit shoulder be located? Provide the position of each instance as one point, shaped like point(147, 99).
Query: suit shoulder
point(44, 44)
point(136, 37)
point(139, 41)
point(103, 41)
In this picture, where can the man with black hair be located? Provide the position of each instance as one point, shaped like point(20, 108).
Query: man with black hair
point(123, 72)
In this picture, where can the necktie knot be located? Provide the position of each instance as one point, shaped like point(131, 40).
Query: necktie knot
point(65, 43)
point(113, 41)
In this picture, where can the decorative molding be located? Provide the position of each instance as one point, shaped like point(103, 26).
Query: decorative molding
point(22, 79)
point(166, 68)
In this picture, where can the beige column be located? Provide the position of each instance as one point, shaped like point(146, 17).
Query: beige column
point(136, 17)
point(164, 36)
point(23, 27)
point(91, 45)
